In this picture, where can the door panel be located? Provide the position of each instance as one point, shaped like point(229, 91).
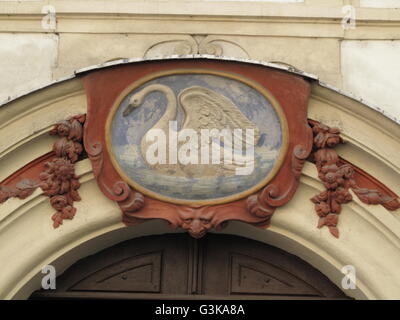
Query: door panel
point(236, 265)
point(176, 265)
point(253, 276)
point(137, 274)
point(148, 264)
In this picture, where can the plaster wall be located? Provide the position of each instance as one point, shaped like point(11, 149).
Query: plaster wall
point(307, 35)
point(371, 69)
point(380, 3)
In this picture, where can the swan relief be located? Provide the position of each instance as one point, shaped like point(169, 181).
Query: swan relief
point(204, 111)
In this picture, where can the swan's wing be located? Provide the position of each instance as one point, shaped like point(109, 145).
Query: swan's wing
point(207, 109)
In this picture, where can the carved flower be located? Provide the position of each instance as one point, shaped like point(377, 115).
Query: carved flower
point(75, 184)
point(343, 195)
point(57, 219)
point(59, 202)
point(322, 209)
point(65, 148)
point(76, 130)
point(330, 176)
point(58, 177)
point(73, 193)
point(63, 169)
point(347, 171)
point(326, 137)
point(333, 140)
point(325, 157)
point(318, 127)
point(68, 212)
point(62, 129)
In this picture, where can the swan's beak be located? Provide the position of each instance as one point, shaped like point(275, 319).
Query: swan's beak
point(129, 108)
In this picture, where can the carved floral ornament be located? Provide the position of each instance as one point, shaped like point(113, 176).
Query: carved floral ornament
point(338, 178)
point(57, 179)
point(136, 99)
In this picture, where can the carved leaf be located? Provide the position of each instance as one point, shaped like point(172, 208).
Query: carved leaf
point(334, 231)
point(21, 190)
point(369, 196)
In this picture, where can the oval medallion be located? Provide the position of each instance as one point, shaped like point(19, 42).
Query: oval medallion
point(197, 136)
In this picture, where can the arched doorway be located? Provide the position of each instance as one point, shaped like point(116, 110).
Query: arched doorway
point(176, 266)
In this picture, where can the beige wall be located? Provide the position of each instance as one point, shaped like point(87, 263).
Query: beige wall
point(305, 34)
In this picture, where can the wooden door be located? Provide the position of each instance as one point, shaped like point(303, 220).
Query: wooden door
point(177, 266)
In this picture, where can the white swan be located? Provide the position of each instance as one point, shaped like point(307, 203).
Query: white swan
point(204, 109)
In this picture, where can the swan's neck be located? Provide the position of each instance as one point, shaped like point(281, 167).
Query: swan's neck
point(171, 110)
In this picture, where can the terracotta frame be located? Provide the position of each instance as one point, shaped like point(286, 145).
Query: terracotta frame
point(256, 86)
point(105, 87)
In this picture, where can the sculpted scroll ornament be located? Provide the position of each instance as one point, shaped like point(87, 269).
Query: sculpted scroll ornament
point(128, 200)
point(185, 45)
point(263, 204)
point(338, 178)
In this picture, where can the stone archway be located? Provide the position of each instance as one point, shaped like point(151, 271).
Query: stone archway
point(370, 237)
